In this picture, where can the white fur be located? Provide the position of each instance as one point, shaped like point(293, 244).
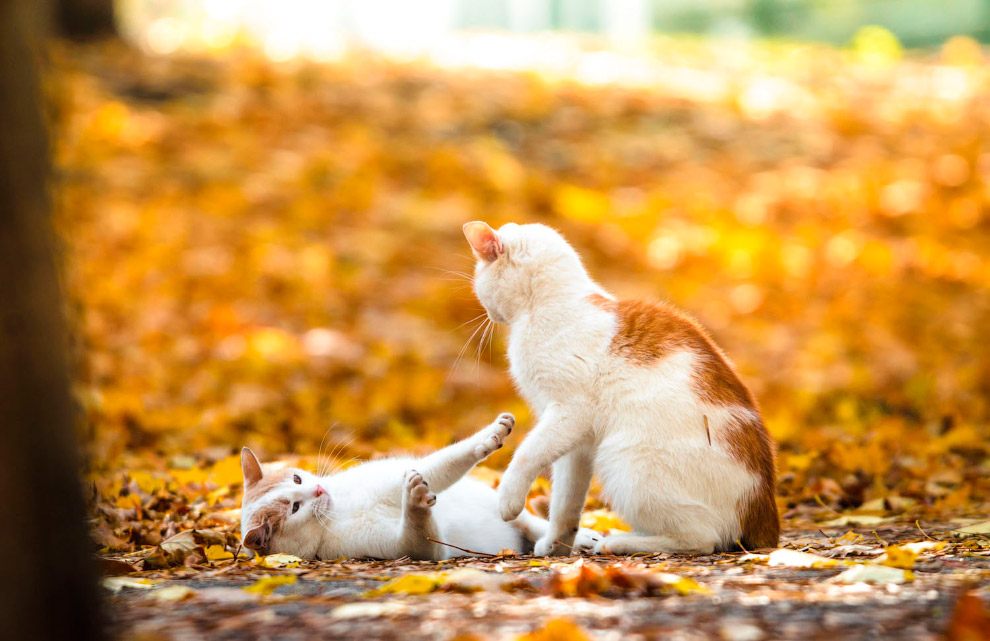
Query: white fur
point(384, 508)
point(641, 428)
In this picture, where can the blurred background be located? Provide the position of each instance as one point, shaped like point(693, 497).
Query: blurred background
point(260, 204)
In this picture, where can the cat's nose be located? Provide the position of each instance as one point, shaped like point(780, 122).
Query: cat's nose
point(320, 491)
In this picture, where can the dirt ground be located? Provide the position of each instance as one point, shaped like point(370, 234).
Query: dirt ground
point(738, 597)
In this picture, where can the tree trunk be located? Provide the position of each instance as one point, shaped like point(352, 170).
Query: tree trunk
point(84, 19)
point(48, 590)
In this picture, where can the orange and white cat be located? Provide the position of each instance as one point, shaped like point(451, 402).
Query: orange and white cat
point(631, 390)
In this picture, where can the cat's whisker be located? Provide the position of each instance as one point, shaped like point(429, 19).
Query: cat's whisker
point(332, 466)
point(460, 354)
point(324, 462)
point(343, 465)
point(468, 321)
point(481, 346)
point(319, 454)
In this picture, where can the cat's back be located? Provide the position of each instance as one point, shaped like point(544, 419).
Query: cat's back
point(653, 337)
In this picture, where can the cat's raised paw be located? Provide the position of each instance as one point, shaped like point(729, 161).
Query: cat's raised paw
point(493, 437)
point(417, 491)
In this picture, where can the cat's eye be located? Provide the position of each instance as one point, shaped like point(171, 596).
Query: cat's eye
point(295, 507)
point(296, 480)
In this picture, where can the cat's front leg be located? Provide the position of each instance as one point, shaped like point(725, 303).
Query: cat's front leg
point(571, 478)
point(554, 435)
point(417, 526)
point(445, 467)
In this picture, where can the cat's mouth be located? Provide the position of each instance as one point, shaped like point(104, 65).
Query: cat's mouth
point(498, 318)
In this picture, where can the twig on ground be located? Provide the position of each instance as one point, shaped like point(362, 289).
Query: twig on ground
point(917, 522)
point(459, 548)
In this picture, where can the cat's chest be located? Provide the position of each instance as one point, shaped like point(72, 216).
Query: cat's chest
point(547, 363)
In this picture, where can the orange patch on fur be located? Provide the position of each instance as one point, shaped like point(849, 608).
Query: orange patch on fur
point(269, 480)
point(750, 443)
point(649, 332)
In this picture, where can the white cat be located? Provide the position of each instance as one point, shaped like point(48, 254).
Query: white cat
point(633, 390)
point(387, 508)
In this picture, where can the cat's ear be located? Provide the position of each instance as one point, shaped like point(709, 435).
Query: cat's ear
point(259, 537)
point(250, 466)
point(484, 241)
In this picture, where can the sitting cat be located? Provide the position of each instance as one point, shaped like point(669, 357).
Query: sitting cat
point(634, 390)
point(387, 508)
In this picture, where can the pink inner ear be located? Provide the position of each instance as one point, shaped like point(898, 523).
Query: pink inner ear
point(483, 239)
point(250, 467)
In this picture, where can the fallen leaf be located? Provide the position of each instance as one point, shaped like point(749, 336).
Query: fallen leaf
point(409, 584)
point(113, 567)
point(118, 583)
point(873, 574)
point(557, 630)
point(857, 520)
point(794, 559)
point(218, 553)
point(603, 521)
point(267, 585)
point(174, 593)
point(972, 530)
point(970, 621)
point(275, 561)
point(898, 557)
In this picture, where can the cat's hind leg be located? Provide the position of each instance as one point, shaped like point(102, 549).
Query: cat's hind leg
point(445, 467)
point(417, 526)
point(633, 543)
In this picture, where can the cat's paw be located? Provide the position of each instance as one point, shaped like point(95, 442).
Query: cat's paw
point(417, 492)
point(510, 502)
point(552, 546)
point(494, 435)
point(585, 540)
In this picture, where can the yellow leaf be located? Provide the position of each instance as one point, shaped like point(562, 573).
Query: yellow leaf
point(129, 501)
point(226, 471)
point(218, 553)
point(147, 482)
point(280, 561)
point(603, 521)
point(849, 538)
point(898, 557)
point(682, 585)
point(409, 584)
point(267, 585)
point(557, 630)
point(188, 477)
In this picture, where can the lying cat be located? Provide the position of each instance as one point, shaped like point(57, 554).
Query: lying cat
point(634, 390)
point(388, 508)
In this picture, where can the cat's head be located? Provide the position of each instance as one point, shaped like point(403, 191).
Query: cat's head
point(523, 266)
point(282, 509)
